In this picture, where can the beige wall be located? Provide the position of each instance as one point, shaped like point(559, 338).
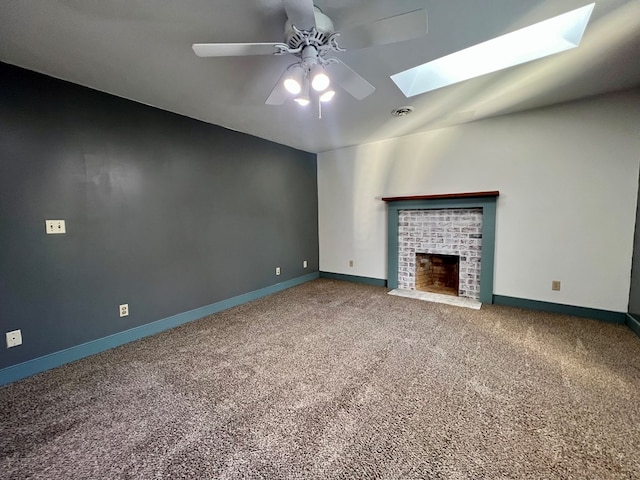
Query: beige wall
point(568, 181)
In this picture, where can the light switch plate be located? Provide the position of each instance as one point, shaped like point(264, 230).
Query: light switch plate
point(55, 227)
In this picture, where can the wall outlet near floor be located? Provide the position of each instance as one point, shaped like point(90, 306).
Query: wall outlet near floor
point(351, 263)
point(55, 226)
point(555, 285)
point(14, 338)
point(124, 310)
point(277, 270)
point(304, 264)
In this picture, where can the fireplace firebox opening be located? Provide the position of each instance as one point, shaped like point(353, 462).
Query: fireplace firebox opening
point(437, 273)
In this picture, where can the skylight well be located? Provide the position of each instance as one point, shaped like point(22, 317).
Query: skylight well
point(542, 39)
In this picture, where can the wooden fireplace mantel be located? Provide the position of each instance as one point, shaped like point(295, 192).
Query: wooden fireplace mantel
point(493, 193)
point(474, 200)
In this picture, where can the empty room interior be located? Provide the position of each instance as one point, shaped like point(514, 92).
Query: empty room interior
point(290, 239)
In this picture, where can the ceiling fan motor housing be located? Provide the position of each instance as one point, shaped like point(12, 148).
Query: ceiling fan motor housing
point(295, 38)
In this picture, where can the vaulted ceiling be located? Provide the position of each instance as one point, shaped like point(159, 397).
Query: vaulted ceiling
point(141, 50)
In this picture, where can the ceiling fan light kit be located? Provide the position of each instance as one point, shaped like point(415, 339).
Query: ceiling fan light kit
point(309, 34)
point(309, 70)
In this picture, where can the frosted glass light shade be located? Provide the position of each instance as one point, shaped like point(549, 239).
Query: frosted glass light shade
point(293, 81)
point(292, 86)
point(327, 96)
point(319, 79)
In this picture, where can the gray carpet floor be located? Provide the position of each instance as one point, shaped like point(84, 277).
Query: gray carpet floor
point(333, 380)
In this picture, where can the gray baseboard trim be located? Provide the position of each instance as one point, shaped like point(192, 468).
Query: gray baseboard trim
point(378, 282)
point(56, 359)
point(633, 323)
point(604, 315)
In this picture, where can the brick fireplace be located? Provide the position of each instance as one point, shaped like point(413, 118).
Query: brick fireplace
point(457, 224)
point(449, 236)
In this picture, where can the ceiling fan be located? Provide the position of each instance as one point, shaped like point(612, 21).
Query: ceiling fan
point(309, 35)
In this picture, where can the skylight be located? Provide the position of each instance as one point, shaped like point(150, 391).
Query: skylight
point(542, 39)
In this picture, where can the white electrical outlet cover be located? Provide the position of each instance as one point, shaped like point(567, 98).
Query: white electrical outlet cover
point(124, 310)
point(14, 338)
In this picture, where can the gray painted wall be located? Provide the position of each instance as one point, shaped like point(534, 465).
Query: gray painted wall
point(634, 293)
point(163, 212)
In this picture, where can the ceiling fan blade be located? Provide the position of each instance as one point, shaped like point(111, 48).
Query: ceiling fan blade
point(279, 94)
point(234, 49)
point(387, 30)
point(349, 80)
point(301, 13)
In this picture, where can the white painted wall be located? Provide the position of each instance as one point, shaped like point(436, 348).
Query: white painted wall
point(568, 182)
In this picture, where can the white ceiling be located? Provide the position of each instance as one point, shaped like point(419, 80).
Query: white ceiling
point(141, 50)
